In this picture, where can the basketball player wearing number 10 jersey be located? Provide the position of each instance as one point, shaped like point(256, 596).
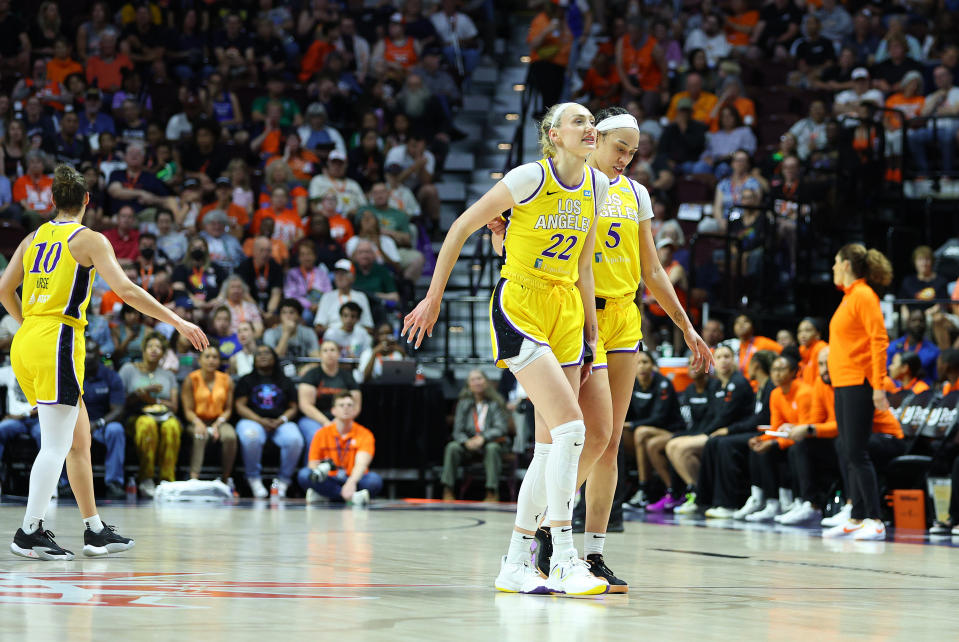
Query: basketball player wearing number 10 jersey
point(57, 265)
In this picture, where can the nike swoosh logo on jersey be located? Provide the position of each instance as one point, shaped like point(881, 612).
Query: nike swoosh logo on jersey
point(549, 193)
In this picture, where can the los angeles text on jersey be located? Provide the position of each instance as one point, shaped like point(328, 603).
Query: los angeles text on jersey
point(614, 208)
point(568, 217)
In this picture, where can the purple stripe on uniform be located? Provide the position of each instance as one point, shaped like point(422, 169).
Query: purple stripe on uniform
point(47, 403)
point(578, 362)
point(75, 232)
point(510, 321)
point(600, 367)
point(542, 179)
point(616, 181)
point(636, 349)
point(596, 203)
point(562, 184)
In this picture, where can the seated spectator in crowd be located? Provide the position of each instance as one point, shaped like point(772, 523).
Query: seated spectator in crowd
point(104, 398)
point(890, 71)
point(33, 192)
point(21, 417)
point(714, 332)
point(944, 101)
point(812, 53)
point(104, 70)
point(458, 36)
point(480, 426)
point(327, 310)
point(237, 217)
point(135, 186)
point(268, 50)
point(303, 163)
point(233, 50)
point(266, 408)
point(710, 38)
point(279, 251)
point(601, 83)
point(401, 196)
point(786, 338)
point(847, 102)
point(180, 125)
point(662, 177)
point(170, 240)
point(372, 278)
point(906, 373)
point(365, 160)
point(838, 77)
point(328, 251)
point(653, 414)
point(263, 277)
point(394, 224)
point(417, 170)
point(909, 101)
point(731, 93)
point(397, 52)
point(197, 278)
point(641, 64)
point(341, 229)
point(222, 333)
point(778, 26)
point(207, 397)
point(224, 107)
point(287, 223)
point(235, 296)
point(740, 26)
point(384, 247)
point(725, 460)
point(349, 194)
point(729, 192)
point(225, 251)
point(152, 402)
point(749, 225)
point(346, 448)
point(308, 281)
point(351, 338)
point(129, 335)
point(290, 338)
point(835, 20)
point(915, 340)
point(749, 342)
point(385, 348)
point(318, 133)
point(319, 386)
point(810, 132)
point(733, 401)
point(68, 145)
point(125, 237)
point(925, 284)
point(700, 102)
point(731, 137)
point(684, 139)
point(809, 339)
point(241, 363)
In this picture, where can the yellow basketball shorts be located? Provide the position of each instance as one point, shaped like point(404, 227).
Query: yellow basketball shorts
point(620, 328)
point(47, 358)
point(524, 308)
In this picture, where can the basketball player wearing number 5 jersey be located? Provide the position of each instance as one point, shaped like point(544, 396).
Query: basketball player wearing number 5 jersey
point(57, 265)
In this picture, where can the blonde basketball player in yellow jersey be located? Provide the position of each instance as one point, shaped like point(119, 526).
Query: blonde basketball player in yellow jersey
point(539, 322)
point(57, 265)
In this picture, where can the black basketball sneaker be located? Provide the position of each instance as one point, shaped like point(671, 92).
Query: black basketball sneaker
point(38, 545)
point(544, 550)
point(105, 542)
point(598, 568)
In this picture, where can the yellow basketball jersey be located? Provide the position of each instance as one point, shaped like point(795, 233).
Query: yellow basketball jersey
point(545, 233)
point(616, 265)
point(54, 284)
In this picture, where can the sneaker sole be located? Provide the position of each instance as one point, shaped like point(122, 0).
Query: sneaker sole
point(34, 554)
point(618, 589)
point(99, 551)
point(596, 590)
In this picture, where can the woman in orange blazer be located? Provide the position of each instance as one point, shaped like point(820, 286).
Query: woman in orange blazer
point(857, 367)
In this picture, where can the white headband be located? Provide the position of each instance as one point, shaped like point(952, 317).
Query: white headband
point(618, 121)
point(559, 113)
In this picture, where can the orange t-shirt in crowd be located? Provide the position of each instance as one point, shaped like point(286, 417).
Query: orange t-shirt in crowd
point(303, 165)
point(809, 362)
point(37, 193)
point(271, 143)
point(295, 191)
point(748, 349)
point(107, 75)
point(288, 224)
point(640, 63)
point(328, 443)
point(910, 107)
point(110, 303)
point(279, 250)
point(857, 334)
point(599, 86)
point(746, 109)
point(563, 43)
point(341, 230)
point(209, 403)
point(58, 70)
point(789, 408)
point(702, 106)
point(403, 55)
point(314, 59)
point(744, 19)
point(238, 215)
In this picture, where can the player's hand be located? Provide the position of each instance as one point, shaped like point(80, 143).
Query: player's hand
point(193, 333)
point(497, 225)
point(702, 356)
point(419, 323)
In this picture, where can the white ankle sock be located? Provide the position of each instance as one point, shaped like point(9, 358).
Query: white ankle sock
point(785, 496)
point(563, 547)
point(93, 523)
point(757, 492)
point(520, 548)
point(30, 524)
point(593, 543)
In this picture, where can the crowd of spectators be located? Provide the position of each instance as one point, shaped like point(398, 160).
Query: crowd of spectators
point(266, 168)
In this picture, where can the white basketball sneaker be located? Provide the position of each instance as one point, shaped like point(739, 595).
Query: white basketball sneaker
point(800, 514)
point(573, 577)
point(872, 529)
point(752, 505)
point(519, 577)
point(766, 514)
point(843, 516)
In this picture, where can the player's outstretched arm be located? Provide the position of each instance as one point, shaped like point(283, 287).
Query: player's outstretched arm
point(658, 282)
point(11, 280)
point(419, 323)
point(92, 248)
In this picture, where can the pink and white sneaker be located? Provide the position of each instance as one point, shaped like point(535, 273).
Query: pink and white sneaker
point(666, 503)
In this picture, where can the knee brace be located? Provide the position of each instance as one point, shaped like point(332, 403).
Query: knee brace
point(561, 468)
point(531, 501)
